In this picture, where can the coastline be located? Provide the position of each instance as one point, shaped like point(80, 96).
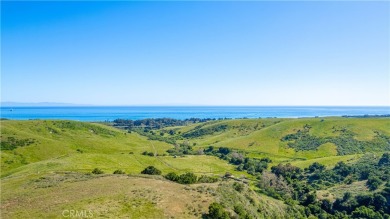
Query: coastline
point(110, 113)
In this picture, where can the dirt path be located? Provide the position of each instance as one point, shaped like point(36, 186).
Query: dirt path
point(158, 158)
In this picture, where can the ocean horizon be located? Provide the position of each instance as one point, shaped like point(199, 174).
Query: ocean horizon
point(110, 113)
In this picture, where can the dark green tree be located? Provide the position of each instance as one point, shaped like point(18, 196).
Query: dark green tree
point(316, 167)
point(385, 160)
point(364, 212)
point(373, 182)
point(151, 170)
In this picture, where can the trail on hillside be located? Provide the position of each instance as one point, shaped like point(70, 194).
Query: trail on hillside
point(158, 158)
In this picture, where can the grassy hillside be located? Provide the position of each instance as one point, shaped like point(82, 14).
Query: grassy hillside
point(51, 168)
point(46, 165)
point(76, 146)
point(117, 196)
point(264, 138)
point(106, 196)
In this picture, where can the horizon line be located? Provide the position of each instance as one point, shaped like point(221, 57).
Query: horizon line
point(58, 104)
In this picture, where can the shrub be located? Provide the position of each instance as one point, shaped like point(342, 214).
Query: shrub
point(97, 171)
point(240, 211)
point(216, 211)
point(172, 176)
point(385, 160)
point(364, 212)
point(207, 179)
point(119, 172)
point(316, 167)
point(151, 170)
point(151, 154)
point(239, 187)
point(12, 143)
point(373, 183)
point(187, 178)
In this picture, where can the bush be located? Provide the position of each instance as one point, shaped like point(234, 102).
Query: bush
point(207, 179)
point(151, 154)
point(187, 178)
point(373, 183)
point(97, 171)
point(172, 176)
point(316, 167)
point(385, 160)
point(151, 170)
point(216, 211)
point(119, 172)
point(240, 211)
point(364, 212)
point(239, 187)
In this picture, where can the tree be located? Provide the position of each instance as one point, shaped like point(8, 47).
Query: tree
point(224, 150)
point(342, 169)
point(151, 170)
point(348, 203)
point(287, 170)
point(379, 202)
point(271, 183)
point(326, 204)
point(385, 160)
point(236, 158)
point(216, 211)
point(364, 212)
point(373, 182)
point(316, 167)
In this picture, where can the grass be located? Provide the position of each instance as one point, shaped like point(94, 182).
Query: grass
point(355, 188)
point(79, 149)
point(266, 140)
point(106, 196)
point(51, 175)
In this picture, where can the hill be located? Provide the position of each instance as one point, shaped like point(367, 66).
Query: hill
point(297, 141)
point(46, 167)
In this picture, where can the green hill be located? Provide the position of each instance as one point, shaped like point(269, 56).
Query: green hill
point(77, 146)
point(337, 138)
point(46, 165)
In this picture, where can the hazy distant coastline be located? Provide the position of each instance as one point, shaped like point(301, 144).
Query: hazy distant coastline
point(110, 113)
point(21, 104)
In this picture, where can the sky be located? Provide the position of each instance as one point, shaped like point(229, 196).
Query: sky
point(196, 53)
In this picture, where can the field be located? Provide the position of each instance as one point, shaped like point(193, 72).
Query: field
point(46, 165)
point(83, 147)
point(262, 137)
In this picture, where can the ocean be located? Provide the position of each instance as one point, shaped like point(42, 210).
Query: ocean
point(109, 113)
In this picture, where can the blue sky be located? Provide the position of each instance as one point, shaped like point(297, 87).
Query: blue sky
point(196, 53)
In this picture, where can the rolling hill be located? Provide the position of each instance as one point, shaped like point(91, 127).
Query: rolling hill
point(46, 164)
